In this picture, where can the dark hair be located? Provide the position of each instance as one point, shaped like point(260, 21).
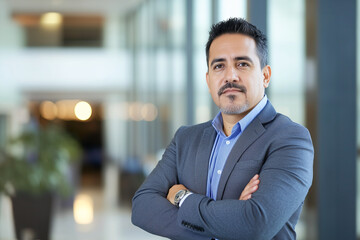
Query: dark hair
point(241, 26)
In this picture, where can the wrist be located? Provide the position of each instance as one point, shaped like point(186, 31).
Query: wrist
point(183, 199)
point(180, 196)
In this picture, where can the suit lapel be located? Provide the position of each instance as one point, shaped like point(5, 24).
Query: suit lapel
point(202, 159)
point(251, 133)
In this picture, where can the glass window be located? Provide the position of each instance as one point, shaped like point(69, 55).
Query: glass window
point(287, 38)
point(178, 65)
point(232, 8)
point(202, 23)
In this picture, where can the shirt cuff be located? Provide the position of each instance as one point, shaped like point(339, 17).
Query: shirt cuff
point(183, 199)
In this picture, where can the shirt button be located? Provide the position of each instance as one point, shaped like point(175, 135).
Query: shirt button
point(219, 172)
point(227, 142)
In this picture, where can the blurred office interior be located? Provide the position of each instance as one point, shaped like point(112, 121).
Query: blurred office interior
point(135, 70)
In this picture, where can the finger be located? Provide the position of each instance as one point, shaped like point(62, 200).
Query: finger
point(247, 194)
point(252, 184)
point(249, 189)
point(256, 176)
point(247, 197)
point(254, 181)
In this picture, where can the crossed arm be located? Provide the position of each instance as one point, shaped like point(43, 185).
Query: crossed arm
point(250, 188)
point(152, 211)
point(164, 222)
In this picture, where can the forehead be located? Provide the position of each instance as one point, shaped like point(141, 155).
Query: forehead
point(232, 45)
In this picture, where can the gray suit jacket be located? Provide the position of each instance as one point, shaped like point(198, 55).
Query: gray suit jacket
point(272, 145)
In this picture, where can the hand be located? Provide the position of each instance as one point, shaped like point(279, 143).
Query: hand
point(172, 192)
point(250, 188)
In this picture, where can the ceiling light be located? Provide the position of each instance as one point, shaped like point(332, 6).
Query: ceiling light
point(83, 110)
point(51, 19)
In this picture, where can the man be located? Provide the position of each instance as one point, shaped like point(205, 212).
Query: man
point(243, 175)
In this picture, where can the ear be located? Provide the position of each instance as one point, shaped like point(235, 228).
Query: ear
point(266, 71)
point(207, 80)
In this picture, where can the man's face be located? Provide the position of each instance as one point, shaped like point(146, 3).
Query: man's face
point(235, 79)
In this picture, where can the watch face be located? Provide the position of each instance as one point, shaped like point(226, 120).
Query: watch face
point(179, 195)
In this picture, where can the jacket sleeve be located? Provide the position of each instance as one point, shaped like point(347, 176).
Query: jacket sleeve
point(151, 210)
point(285, 179)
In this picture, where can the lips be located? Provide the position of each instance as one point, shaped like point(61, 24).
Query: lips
point(230, 90)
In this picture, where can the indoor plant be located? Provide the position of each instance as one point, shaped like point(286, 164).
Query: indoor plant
point(34, 167)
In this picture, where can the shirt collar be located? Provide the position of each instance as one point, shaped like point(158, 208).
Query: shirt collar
point(243, 123)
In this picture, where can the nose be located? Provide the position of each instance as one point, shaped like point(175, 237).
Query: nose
point(231, 75)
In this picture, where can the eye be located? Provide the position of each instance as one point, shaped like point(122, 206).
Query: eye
point(243, 64)
point(218, 66)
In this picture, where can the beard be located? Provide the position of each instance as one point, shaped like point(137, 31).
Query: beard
point(232, 108)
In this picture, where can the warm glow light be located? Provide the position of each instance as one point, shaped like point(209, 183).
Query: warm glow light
point(83, 110)
point(135, 111)
point(83, 209)
point(62, 109)
point(149, 112)
point(66, 109)
point(48, 110)
point(51, 19)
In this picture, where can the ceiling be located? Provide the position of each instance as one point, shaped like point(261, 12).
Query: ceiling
point(72, 6)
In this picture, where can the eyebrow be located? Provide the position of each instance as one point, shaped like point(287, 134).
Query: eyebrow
point(215, 60)
point(244, 58)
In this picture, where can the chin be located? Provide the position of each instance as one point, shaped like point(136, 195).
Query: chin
point(234, 109)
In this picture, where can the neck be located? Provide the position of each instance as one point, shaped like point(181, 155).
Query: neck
point(229, 122)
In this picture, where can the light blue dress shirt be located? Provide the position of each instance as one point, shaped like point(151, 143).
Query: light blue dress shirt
point(223, 145)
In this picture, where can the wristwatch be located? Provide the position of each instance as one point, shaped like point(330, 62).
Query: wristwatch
point(180, 195)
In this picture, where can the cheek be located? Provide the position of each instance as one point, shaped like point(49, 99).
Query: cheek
point(214, 88)
point(214, 95)
point(255, 89)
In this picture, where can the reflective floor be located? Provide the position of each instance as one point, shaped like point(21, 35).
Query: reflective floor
point(106, 223)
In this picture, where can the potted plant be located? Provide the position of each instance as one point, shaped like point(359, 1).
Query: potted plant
point(34, 167)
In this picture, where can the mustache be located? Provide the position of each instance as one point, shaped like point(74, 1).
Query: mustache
point(231, 85)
